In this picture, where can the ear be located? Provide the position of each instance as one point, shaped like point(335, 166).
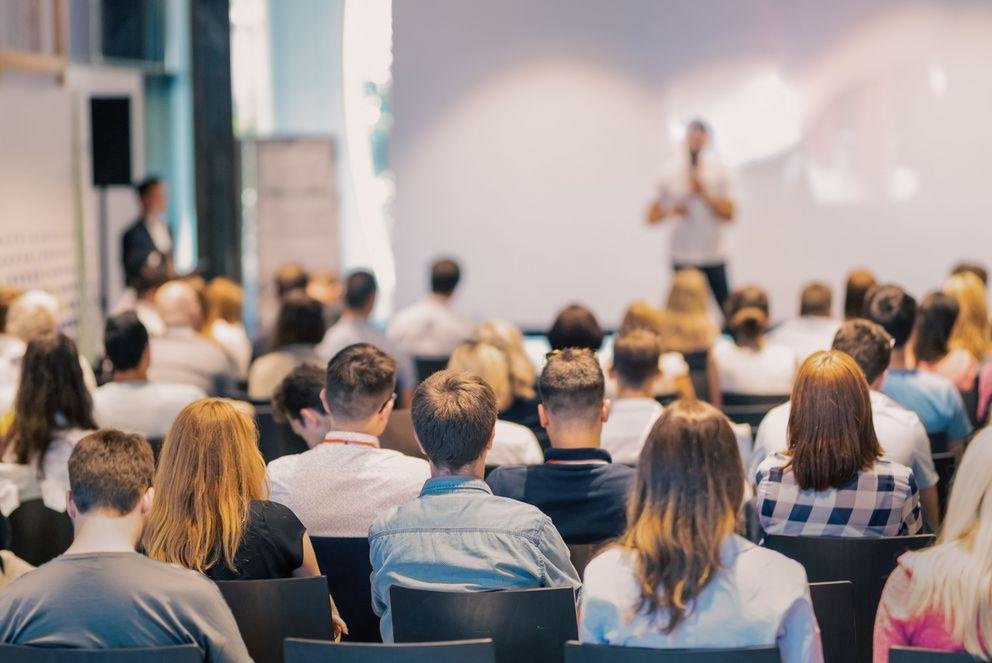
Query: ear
point(307, 418)
point(146, 502)
point(492, 438)
point(611, 370)
point(323, 400)
point(607, 405)
point(297, 426)
point(70, 505)
point(388, 410)
point(542, 415)
point(419, 445)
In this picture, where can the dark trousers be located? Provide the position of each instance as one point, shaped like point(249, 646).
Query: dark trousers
point(716, 275)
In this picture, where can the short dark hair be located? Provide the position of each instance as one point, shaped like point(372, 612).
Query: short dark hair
point(301, 320)
point(358, 378)
point(445, 274)
point(894, 309)
point(575, 327)
point(635, 356)
point(935, 318)
point(699, 124)
point(359, 289)
point(454, 414)
point(125, 340)
point(143, 187)
point(289, 277)
point(149, 278)
point(300, 390)
point(971, 268)
point(110, 469)
point(867, 343)
point(859, 282)
point(572, 385)
point(817, 299)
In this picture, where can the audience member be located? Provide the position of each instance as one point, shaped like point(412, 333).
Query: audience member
point(326, 288)
point(972, 268)
point(289, 278)
point(634, 409)
point(859, 283)
point(814, 329)
point(430, 328)
point(11, 351)
point(673, 371)
point(575, 327)
point(224, 324)
point(341, 418)
point(131, 402)
point(457, 535)
point(686, 324)
point(12, 567)
point(140, 298)
point(679, 577)
point(299, 328)
point(935, 321)
point(832, 481)
point(973, 329)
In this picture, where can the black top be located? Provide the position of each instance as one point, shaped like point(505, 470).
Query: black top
point(272, 545)
point(523, 411)
point(136, 245)
point(587, 501)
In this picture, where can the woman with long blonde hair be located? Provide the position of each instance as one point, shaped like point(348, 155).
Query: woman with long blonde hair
point(224, 324)
point(973, 330)
point(680, 577)
point(686, 324)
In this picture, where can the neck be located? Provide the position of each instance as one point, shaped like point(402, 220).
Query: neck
point(99, 532)
point(370, 427)
point(354, 314)
point(131, 375)
point(476, 469)
point(899, 360)
point(628, 391)
point(439, 298)
point(753, 343)
point(575, 437)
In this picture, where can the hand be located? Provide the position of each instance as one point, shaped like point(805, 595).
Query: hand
point(340, 628)
point(656, 212)
point(696, 184)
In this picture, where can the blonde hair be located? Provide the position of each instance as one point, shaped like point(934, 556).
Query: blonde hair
point(33, 315)
point(507, 337)
point(489, 363)
point(641, 315)
point(225, 300)
point(972, 330)
point(209, 473)
point(686, 325)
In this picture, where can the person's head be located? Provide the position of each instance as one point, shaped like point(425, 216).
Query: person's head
point(684, 505)
point(575, 327)
point(33, 315)
point(636, 354)
point(110, 476)
point(972, 268)
point(454, 419)
point(7, 297)
point(747, 314)
point(641, 315)
point(209, 471)
point(360, 289)
point(225, 300)
point(125, 341)
point(51, 396)
point(289, 278)
point(297, 400)
point(300, 321)
point(360, 389)
point(697, 134)
point(572, 391)
point(973, 331)
point(935, 320)
point(859, 282)
point(489, 363)
point(816, 300)
point(831, 433)
point(153, 195)
point(179, 305)
point(507, 337)
point(894, 309)
point(688, 325)
point(148, 280)
point(868, 344)
point(325, 287)
point(445, 275)
point(689, 292)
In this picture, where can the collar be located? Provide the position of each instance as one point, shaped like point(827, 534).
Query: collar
point(351, 437)
point(455, 484)
point(577, 457)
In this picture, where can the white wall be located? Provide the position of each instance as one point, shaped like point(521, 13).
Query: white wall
point(529, 135)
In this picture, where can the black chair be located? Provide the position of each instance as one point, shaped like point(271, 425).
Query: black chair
point(269, 611)
point(916, 655)
point(276, 439)
point(579, 653)
point(833, 604)
point(525, 624)
point(177, 654)
point(867, 563)
point(582, 554)
point(945, 465)
point(750, 409)
point(345, 563)
point(428, 366)
point(311, 651)
point(39, 534)
point(697, 373)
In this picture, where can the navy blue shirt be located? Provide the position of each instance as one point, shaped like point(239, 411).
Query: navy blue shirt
point(581, 490)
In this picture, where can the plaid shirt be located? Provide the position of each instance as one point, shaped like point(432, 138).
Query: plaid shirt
point(882, 501)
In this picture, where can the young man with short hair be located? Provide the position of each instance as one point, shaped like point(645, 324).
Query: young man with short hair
point(430, 328)
point(345, 480)
point(458, 536)
point(578, 485)
point(814, 329)
point(101, 594)
point(636, 370)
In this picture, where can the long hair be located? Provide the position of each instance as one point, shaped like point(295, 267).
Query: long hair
point(935, 319)
point(489, 363)
point(209, 472)
point(507, 337)
point(686, 325)
point(684, 505)
point(972, 331)
point(51, 396)
point(831, 432)
point(225, 300)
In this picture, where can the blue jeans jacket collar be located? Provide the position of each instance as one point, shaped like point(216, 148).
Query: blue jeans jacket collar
point(455, 484)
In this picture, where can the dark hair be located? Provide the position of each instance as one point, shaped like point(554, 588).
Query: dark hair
point(747, 313)
point(636, 353)
point(699, 124)
point(816, 299)
point(111, 470)
point(575, 327)
point(867, 344)
point(300, 390)
point(359, 289)
point(301, 320)
point(935, 320)
point(445, 274)
point(51, 396)
point(143, 187)
point(149, 278)
point(572, 385)
point(454, 414)
point(971, 268)
point(290, 277)
point(125, 339)
point(859, 282)
point(359, 378)
point(894, 309)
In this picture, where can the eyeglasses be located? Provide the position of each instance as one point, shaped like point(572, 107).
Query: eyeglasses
point(388, 401)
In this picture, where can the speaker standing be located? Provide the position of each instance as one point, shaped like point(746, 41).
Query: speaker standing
point(147, 243)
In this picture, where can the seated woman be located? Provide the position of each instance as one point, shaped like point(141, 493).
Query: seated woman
point(686, 325)
point(940, 597)
point(299, 328)
point(935, 319)
point(680, 577)
point(225, 300)
point(973, 329)
point(832, 480)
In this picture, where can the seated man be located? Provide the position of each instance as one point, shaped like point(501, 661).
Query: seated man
point(457, 536)
point(131, 402)
point(636, 370)
point(430, 328)
point(814, 329)
point(345, 480)
point(101, 594)
point(578, 486)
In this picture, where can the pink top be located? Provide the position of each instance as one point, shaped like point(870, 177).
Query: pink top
point(958, 366)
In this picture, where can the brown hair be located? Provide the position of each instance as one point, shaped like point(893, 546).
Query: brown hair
point(289, 277)
point(635, 356)
point(747, 313)
point(859, 282)
point(641, 315)
point(225, 300)
point(575, 326)
point(686, 497)
point(507, 337)
point(301, 320)
point(358, 379)
point(454, 414)
point(111, 470)
point(572, 384)
point(831, 433)
point(686, 325)
point(816, 299)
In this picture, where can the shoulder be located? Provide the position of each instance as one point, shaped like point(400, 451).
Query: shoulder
point(509, 478)
point(511, 431)
point(136, 228)
point(274, 516)
point(772, 568)
point(282, 465)
point(607, 565)
point(178, 392)
point(772, 466)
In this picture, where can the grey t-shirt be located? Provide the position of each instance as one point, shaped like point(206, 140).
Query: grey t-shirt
point(118, 600)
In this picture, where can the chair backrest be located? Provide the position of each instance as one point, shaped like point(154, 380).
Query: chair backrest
point(750, 409)
point(579, 653)
point(276, 439)
point(399, 435)
point(697, 373)
point(269, 611)
point(525, 624)
point(428, 366)
point(945, 465)
point(915, 655)
point(345, 563)
point(312, 651)
point(176, 654)
point(39, 534)
point(833, 604)
point(582, 554)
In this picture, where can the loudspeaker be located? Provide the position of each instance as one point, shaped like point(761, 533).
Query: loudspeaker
point(110, 136)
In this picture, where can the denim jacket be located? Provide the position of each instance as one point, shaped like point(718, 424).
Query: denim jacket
point(458, 536)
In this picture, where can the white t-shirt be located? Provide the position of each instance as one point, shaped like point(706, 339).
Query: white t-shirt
point(268, 371)
point(900, 433)
point(627, 428)
point(233, 339)
point(514, 445)
point(148, 408)
point(766, 371)
point(428, 328)
point(805, 335)
point(52, 482)
point(697, 238)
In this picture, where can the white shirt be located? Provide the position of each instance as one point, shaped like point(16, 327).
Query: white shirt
point(183, 356)
point(428, 328)
point(767, 371)
point(514, 445)
point(350, 330)
point(337, 488)
point(697, 238)
point(233, 339)
point(758, 599)
point(627, 428)
point(671, 364)
point(148, 408)
point(52, 482)
point(900, 433)
point(268, 371)
point(805, 335)
point(159, 231)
